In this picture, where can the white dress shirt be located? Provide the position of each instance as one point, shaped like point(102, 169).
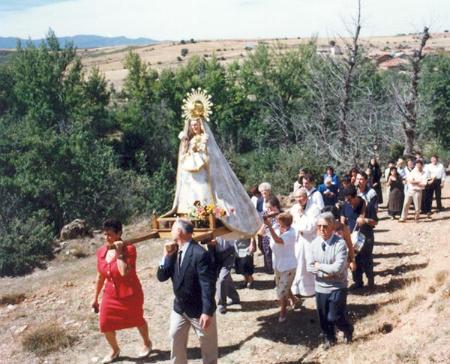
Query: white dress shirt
point(436, 170)
point(315, 197)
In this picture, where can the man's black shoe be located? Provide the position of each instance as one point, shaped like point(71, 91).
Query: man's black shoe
point(356, 286)
point(327, 343)
point(233, 302)
point(348, 336)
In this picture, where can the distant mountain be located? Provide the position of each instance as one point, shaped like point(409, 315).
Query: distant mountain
point(83, 41)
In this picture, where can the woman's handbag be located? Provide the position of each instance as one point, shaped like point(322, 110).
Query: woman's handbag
point(358, 239)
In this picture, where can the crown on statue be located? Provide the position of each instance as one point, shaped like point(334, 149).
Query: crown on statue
point(197, 104)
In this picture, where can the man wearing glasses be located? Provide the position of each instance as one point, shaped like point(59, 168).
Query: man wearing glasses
point(328, 262)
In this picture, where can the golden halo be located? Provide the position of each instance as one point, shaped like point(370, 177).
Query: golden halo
point(197, 104)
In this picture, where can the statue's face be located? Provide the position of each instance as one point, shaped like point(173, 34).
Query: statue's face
point(198, 109)
point(195, 126)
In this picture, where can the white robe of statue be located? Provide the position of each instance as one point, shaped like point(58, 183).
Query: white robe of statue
point(194, 179)
point(205, 175)
point(305, 225)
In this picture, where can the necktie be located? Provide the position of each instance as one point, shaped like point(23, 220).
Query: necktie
point(180, 253)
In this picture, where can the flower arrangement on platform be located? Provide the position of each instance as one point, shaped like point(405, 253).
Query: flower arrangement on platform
point(202, 212)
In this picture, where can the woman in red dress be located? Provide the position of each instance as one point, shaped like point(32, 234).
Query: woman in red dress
point(122, 303)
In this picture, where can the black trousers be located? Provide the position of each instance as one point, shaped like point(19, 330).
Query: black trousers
point(434, 189)
point(332, 311)
point(427, 199)
point(364, 263)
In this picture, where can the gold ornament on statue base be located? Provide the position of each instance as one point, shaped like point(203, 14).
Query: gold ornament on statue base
point(197, 104)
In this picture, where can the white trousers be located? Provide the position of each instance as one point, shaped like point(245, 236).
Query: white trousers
point(179, 332)
point(304, 281)
point(414, 197)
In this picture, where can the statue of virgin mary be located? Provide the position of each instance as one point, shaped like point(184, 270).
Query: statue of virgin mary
point(204, 174)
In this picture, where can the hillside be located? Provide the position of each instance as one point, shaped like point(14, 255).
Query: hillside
point(168, 54)
point(405, 320)
point(82, 41)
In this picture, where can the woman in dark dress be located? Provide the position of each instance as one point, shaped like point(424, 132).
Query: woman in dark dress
point(376, 179)
point(396, 194)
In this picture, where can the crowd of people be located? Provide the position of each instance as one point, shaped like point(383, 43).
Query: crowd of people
point(307, 248)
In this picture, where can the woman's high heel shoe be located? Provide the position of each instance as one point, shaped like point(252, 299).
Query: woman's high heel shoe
point(111, 357)
point(145, 352)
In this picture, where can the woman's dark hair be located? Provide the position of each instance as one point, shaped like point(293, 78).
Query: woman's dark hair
point(274, 202)
point(363, 175)
point(113, 224)
point(254, 191)
point(393, 168)
point(350, 191)
point(309, 177)
point(347, 179)
point(354, 170)
point(334, 210)
point(329, 168)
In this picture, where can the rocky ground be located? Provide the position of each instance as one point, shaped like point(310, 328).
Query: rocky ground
point(405, 320)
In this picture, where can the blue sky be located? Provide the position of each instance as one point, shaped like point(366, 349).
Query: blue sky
point(217, 19)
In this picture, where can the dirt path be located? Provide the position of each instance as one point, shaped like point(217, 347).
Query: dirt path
point(402, 321)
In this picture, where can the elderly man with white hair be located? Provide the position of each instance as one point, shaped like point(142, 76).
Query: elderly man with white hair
point(328, 262)
point(305, 215)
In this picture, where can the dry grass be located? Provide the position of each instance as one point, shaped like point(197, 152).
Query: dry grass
point(446, 291)
point(79, 251)
point(12, 298)
point(407, 356)
point(440, 277)
point(46, 339)
point(416, 301)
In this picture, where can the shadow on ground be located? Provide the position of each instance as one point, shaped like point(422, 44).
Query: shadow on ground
point(401, 269)
point(394, 255)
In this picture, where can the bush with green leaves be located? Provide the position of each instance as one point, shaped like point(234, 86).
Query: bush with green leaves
point(279, 167)
point(26, 243)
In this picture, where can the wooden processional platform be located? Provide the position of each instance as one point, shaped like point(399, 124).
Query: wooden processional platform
point(204, 230)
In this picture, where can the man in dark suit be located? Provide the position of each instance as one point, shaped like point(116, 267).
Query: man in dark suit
point(193, 277)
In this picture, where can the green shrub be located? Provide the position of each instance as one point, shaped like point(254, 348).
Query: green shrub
point(279, 167)
point(24, 244)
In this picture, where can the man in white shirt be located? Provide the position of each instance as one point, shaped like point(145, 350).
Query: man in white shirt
point(416, 181)
point(407, 171)
point(313, 194)
point(436, 172)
